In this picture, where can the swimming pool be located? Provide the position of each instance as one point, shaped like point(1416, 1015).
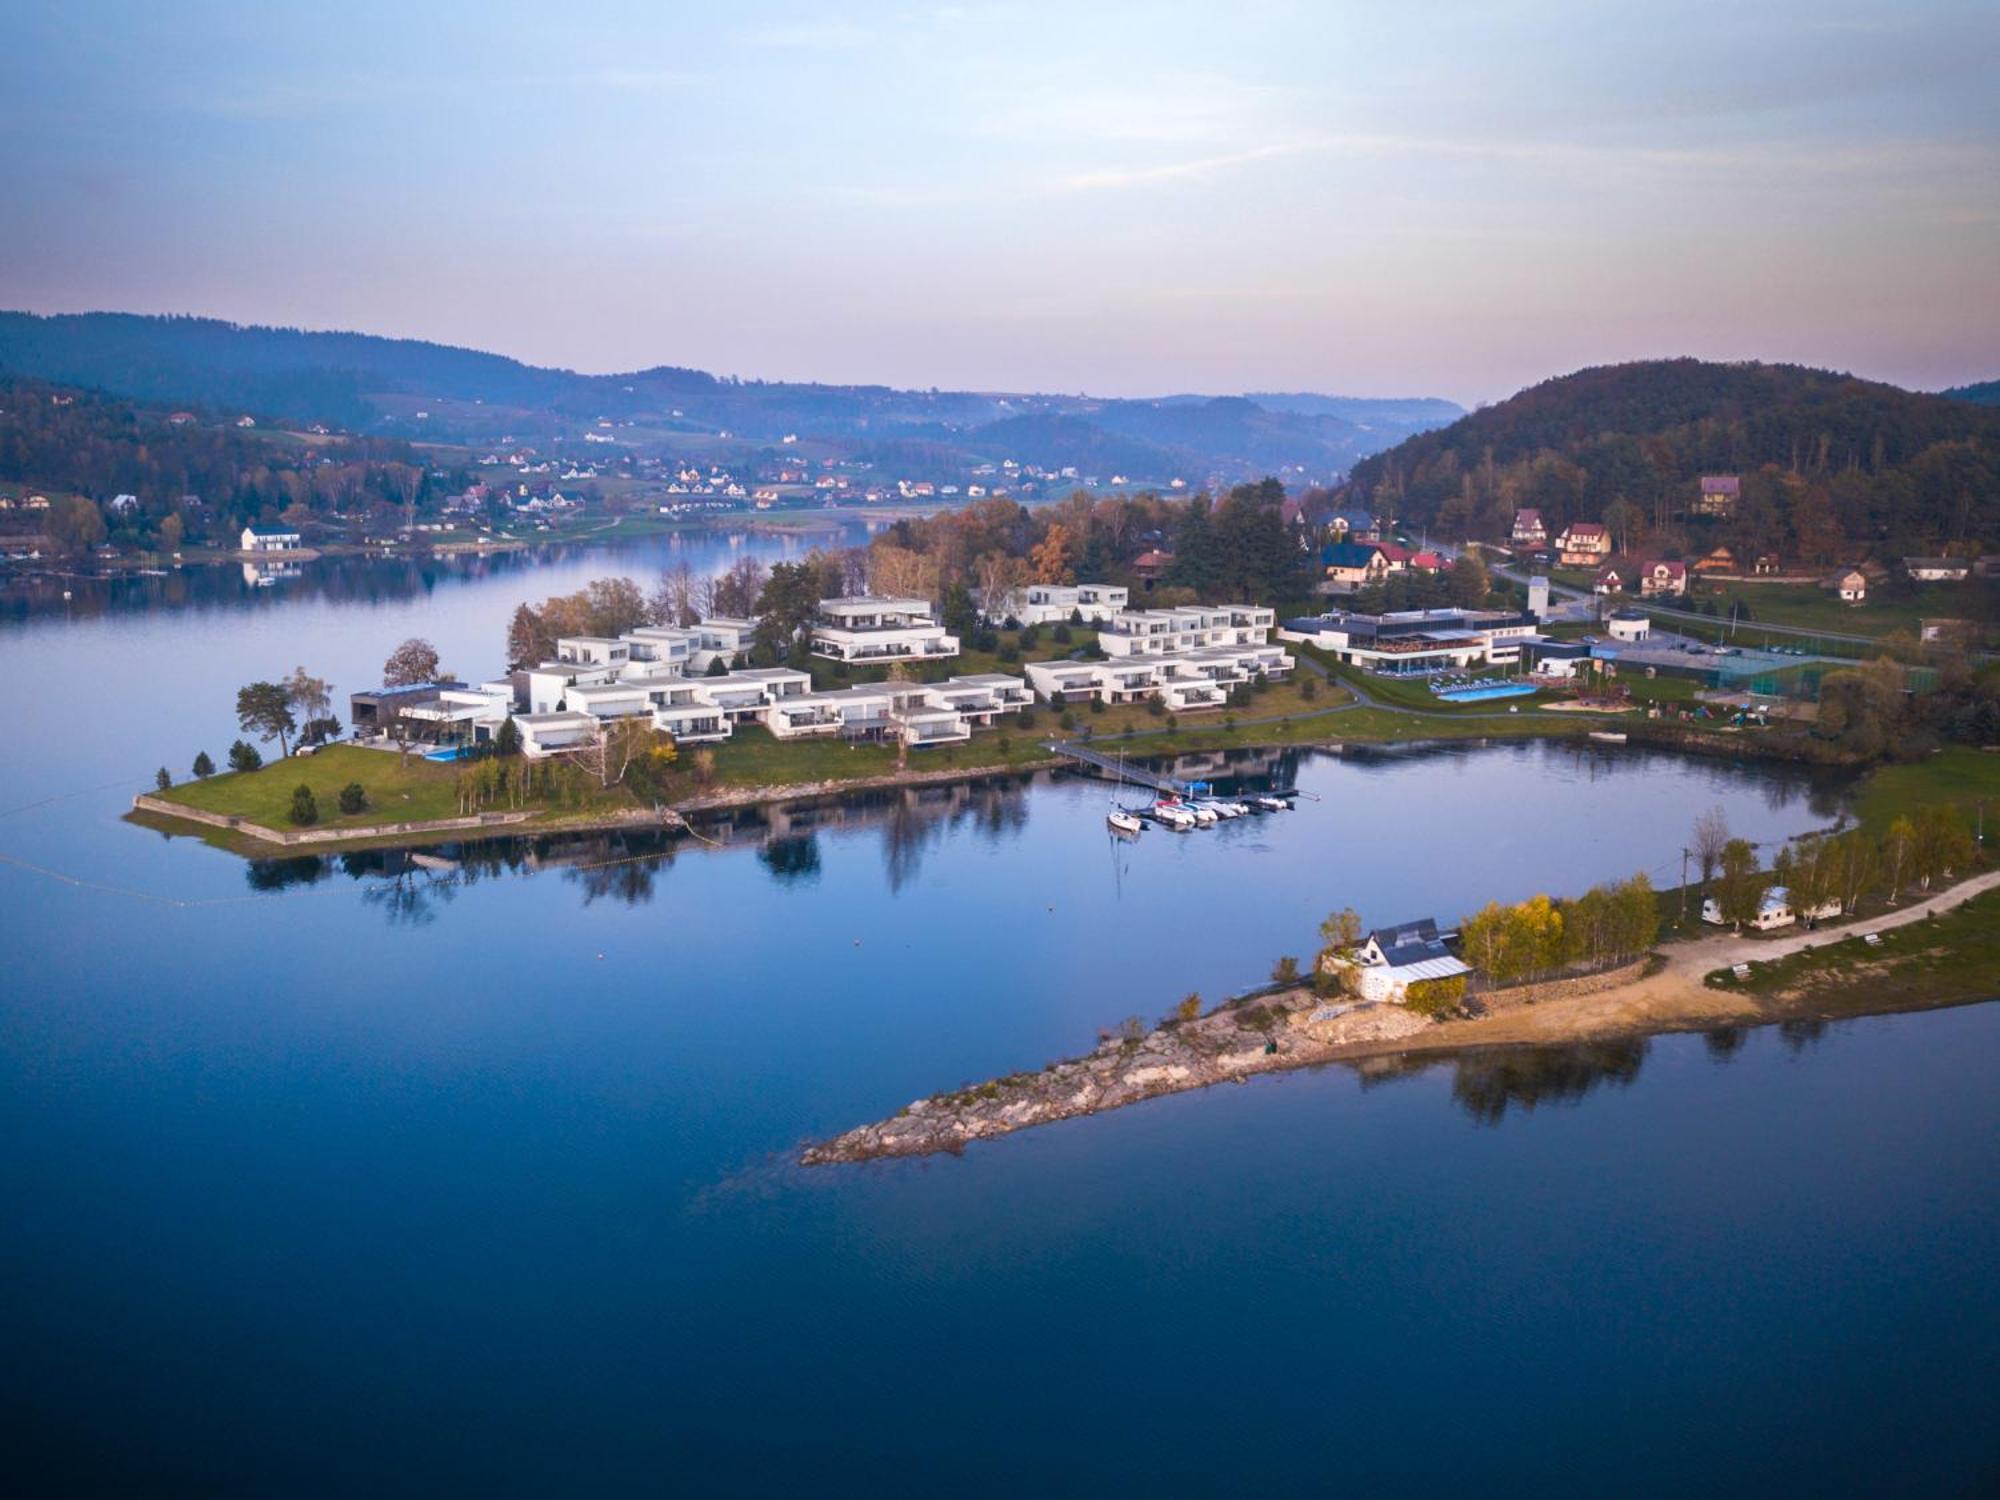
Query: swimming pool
point(1490, 690)
point(454, 752)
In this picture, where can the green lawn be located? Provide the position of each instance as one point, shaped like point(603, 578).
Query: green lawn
point(1946, 959)
point(397, 792)
point(1811, 608)
point(1958, 775)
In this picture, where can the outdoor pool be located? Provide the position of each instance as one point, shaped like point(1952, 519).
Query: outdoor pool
point(1489, 690)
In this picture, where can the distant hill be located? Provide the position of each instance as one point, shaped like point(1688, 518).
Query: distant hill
point(412, 389)
point(1985, 393)
point(1830, 462)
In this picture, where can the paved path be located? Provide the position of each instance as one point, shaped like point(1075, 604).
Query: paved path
point(1706, 955)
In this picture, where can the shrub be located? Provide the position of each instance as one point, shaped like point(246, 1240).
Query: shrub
point(1031, 637)
point(243, 756)
point(1132, 1028)
point(1190, 1006)
point(1061, 635)
point(1308, 688)
point(203, 766)
point(1285, 970)
point(1157, 707)
point(1008, 652)
point(1436, 998)
point(353, 799)
point(1097, 705)
point(1027, 718)
point(1066, 719)
point(304, 809)
point(163, 779)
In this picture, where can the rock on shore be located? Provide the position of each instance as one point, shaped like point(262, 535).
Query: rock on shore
point(1290, 1030)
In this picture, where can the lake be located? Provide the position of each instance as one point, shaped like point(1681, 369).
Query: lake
point(341, 1174)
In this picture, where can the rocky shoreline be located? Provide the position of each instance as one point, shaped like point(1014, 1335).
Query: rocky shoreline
point(1290, 1029)
point(1294, 1028)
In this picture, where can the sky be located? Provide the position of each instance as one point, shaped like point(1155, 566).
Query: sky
point(1417, 198)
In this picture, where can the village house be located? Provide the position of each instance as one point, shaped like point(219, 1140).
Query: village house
point(1937, 569)
point(1394, 958)
point(1584, 544)
point(1766, 565)
point(270, 539)
point(1528, 530)
point(1716, 560)
point(1850, 584)
point(1718, 494)
point(1662, 578)
point(1351, 566)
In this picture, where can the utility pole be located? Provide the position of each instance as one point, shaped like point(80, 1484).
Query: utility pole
point(1684, 886)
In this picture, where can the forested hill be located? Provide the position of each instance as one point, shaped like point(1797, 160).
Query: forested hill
point(1830, 463)
point(1985, 393)
point(410, 389)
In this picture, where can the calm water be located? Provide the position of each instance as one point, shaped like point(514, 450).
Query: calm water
point(327, 1175)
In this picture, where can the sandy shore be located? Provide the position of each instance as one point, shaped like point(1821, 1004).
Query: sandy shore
point(1295, 1029)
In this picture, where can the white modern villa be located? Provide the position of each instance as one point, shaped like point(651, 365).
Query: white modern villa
point(1057, 604)
point(864, 629)
point(1189, 658)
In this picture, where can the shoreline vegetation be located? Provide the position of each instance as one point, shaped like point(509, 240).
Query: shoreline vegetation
point(1938, 951)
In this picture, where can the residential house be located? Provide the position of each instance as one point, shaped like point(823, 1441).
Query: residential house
point(1355, 526)
point(1394, 958)
point(866, 629)
point(1937, 569)
point(1851, 584)
point(1528, 530)
point(1767, 565)
point(1351, 566)
point(1615, 577)
point(1716, 560)
point(1661, 578)
point(1584, 544)
point(1149, 567)
point(270, 539)
point(1718, 495)
point(1056, 603)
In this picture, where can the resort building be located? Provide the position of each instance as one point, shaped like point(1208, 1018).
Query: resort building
point(1415, 642)
point(1394, 958)
point(1189, 658)
point(1057, 603)
point(550, 734)
point(866, 629)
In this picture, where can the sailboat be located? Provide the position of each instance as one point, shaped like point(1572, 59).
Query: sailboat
point(1122, 821)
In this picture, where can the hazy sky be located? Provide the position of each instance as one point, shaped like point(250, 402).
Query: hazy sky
point(1416, 197)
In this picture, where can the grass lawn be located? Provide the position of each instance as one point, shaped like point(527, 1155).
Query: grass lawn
point(1950, 958)
point(1415, 694)
point(398, 793)
point(1810, 608)
point(1958, 775)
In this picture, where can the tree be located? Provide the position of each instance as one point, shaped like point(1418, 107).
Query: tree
point(264, 709)
point(507, 739)
point(312, 697)
point(243, 756)
point(163, 779)
point(305, 810)
point(1941, 844)
point(1622, 517)
point(1856, 863)
point(1468, 583)
point(1285, 970)
point(673, 601)
point(203, 766)
point(1740, 890)
point(353, 798)
point(787, 605)
point(1711, 834)
point(1190, 1007)
point(413, 662)
point(1898, 844)
point(529, 639)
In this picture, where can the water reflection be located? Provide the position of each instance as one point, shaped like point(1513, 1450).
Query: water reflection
point(1724, 1042)
point(1489, 1082)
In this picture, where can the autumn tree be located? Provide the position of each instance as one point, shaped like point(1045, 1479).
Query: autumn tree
point(413, 662)
point(1739, 889)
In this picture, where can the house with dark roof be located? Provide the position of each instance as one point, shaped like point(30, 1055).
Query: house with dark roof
point(1528, 528)
point(1392, 959)
point(1584, 544)
point(1353, 565)
point(1718, 494)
